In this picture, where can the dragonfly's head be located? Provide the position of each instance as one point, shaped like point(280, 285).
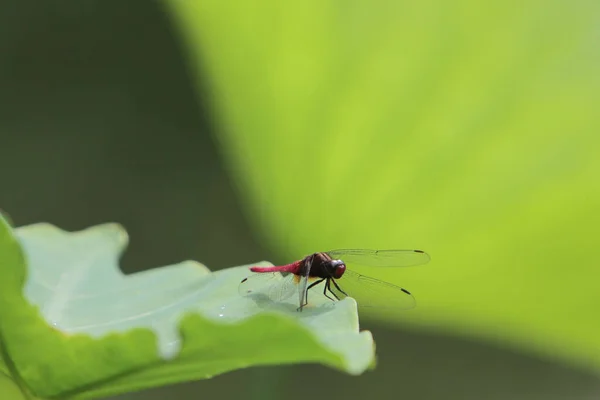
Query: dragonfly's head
point(337, 268)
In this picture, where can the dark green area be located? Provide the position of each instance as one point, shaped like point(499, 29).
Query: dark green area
point(99, 122)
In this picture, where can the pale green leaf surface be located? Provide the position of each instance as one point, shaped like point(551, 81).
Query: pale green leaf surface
point(467, 129)
point(99, 332)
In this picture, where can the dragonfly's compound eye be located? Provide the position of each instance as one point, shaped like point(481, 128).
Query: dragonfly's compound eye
point(338, 269)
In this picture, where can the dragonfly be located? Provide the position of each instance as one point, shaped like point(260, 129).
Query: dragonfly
point(328, 268)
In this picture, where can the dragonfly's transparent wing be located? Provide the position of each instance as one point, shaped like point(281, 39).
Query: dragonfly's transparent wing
point(303, 282)
point(302, 289)
point(371, 292)
point(277, 286)
point(381, 258)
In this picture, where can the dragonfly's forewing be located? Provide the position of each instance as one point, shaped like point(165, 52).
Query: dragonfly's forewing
point(371, 292)
point(380, 258)
point(302, 289)
point(277, 286)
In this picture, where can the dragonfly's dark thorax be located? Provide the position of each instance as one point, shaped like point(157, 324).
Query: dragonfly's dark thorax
point(323, 266)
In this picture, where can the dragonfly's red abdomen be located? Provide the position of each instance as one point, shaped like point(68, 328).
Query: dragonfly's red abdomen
point(293, 268)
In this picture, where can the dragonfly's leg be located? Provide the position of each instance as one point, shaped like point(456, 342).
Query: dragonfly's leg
point(338, 287)
point(305, 302)
point(315, 283)
point(331, 291)
point(328, 288)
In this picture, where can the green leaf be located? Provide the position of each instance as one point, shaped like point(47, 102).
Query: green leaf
point(467, 129)
point(9, 390)
point(74, 326)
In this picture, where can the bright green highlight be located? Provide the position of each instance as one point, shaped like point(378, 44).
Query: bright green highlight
point(74, 326)
point(467, 129)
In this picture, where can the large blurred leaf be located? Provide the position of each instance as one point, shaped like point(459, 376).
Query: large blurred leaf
point(72, 325)
point(9, 390)
point(468, 129)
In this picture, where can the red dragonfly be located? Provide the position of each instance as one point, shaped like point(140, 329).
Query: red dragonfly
point(281, 282)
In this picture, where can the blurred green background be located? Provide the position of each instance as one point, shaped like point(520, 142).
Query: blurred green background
point(230, 133)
